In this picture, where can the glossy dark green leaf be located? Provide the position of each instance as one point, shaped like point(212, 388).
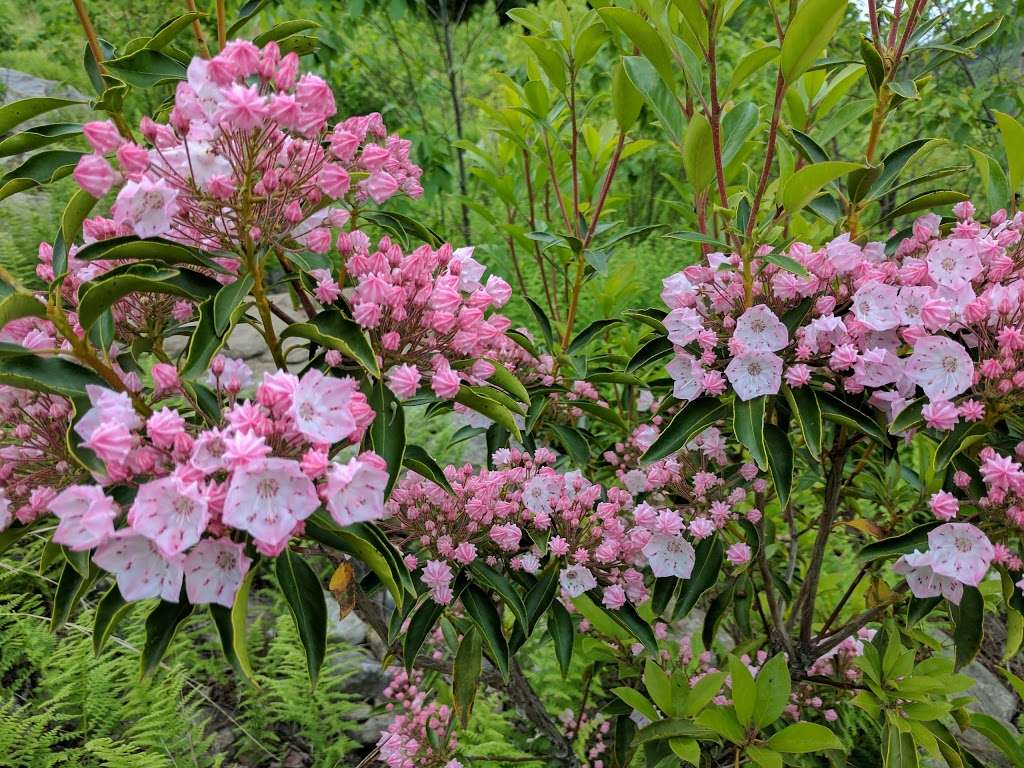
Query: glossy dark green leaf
point(690, 420)
point(920, 607)
point(748, 425)
point(839, 411)
point(47, 374)
point(99, 295)
point(804, 404)
point(661, 596)
point(915, 538)
point(808, 34)
point(562, 631)
point(717, 610)
point(968, 633)
point(204, 344)
point(283, 30)
point(872, 63)
point(18, 112)
point(542, 321)
point(709, 557)
point(488, 577)
point(909, 418)
point(145, 68)
point(672, 728)
point(658, 96)
point(420, 625)
point(482, 610)
point(227, 300)
point(574, 443)
point(893, 163)
point(41, 168)
point(960, 438)
point(70, 588)
point(779, 452)
point(332, 330)
point(466, 674)
point(486, 406)
point(305, 597)
point(923, 202)
point(406, 229)
point(162, 624)
point(37, 137)
point(651, 351)
point(131, 248)
point(238, 619)
point(583, 338)
point(15, 306)
point(109, 612)
point(170, 29)
point(423, 464)
point(387, 432)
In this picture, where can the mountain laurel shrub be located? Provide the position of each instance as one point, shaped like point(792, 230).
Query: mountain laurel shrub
point(808, 453)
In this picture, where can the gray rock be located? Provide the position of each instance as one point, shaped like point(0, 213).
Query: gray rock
point(350, 629)
point(17, 85)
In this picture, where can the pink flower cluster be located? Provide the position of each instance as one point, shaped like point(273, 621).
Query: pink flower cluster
point(499, 515)
point(406, 742)
point(247, 159)
point(198, 495)
point(940, 317)
point(425, 310)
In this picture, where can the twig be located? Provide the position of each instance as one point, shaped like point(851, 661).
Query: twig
point(197, 30)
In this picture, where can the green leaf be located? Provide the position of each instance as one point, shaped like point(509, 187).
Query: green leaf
point(488, 577)
point(562, 630)
point(894, 162)
point(716, 611)
point(698, 152)
point(204, 344)
point(47, 374)
point(748, 425)
point(924, 201)
point(321, 528)
point(332, 330)
point(131, 248)
point(550, 60)
point(387, 432)
point(239, 628)
point(697, 237)
point(805, 184)
point(574, 443)
point(637, 701)
point(960, 438)
point(780, 460)
point(744, 691)
point(659, 98)
point(69, 592)
point(630, 620)
point(109, 612)
point(672, 728)
point(19, 111)
point(99, 295)
point(749, 64)
point(283, 30)
point(807, 35)
point(839, 411)
point(764, 758)
point(920, 607)
point(659, 686)
point(690, 420)
point(146, 68)
point(969, 630)
point(38, 136)
point(579, 343)
point(786, 263)
point(773, 689)
point(644, 37)
point(162, 624)
point(479, 606)
point(305, 598)
point(1013, 139)
point(722, 720)
point(15, 306)
point(169, 30)
point(423, 464)
point(41, 168)
point(627, 101)
point(486, 406)
point(916, 538)
point(804, 737)
point(407, 230)
point(542, 320)
point(709, 555)
point(701, 694)
point(651, 351)
point(900, 749)
point(909, 418)
point(421, 625)
point(1001, 735)
point(872, 63)
point(506, 380)
point(466, 674)
point(227, 300)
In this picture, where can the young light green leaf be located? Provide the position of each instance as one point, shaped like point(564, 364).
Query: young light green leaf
point(805, 184)
point(804, 737)
point(808, 34)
